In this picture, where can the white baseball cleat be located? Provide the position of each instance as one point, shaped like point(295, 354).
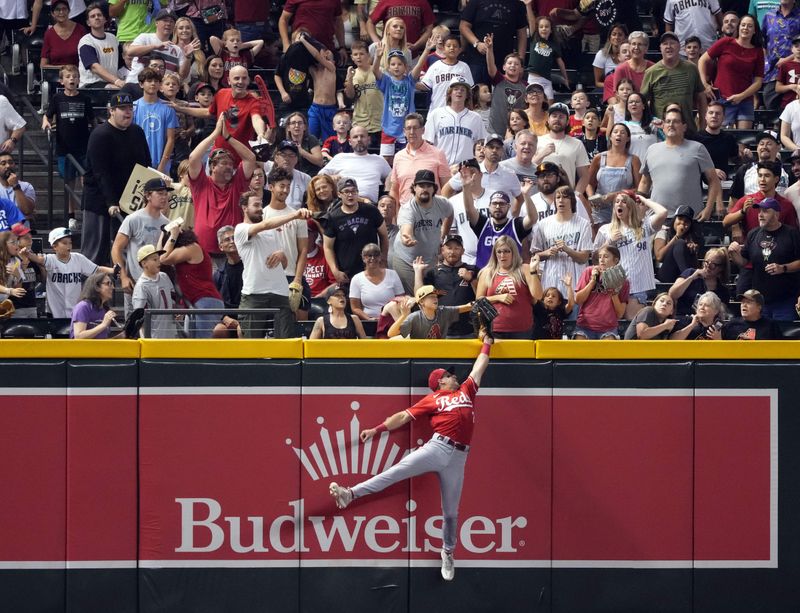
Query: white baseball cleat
point(448, 565)
point(343, 496)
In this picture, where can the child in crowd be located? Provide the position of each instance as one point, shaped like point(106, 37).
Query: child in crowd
point(317, 273)
point(692, 49)
point(438, 35)
point(544, 55)
point(292, 74)
point(593, 140)
point(579, 102)
point(517, 121)
point(601, 308)
point(481, 103)
point(200, 96)
point(323, 107)
point(360, 86)
point(438, 77)
point(170, 89)
point(340, 141)
point(30, 273)
point(549, 308)
point(154, 290)
point(73, 116)
point(234, 52)
point(65, 272)
point(509, 86)
point(615, 112)
point(788, 82)
point(158, 120)
point(397, 86)
point(430, 321)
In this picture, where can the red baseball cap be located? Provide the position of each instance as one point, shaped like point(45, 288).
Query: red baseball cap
point(436, 376)
point(20, 229)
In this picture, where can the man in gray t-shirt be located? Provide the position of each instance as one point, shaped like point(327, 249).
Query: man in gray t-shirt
point(672, 170)
point(137, 230)
point(423, 221)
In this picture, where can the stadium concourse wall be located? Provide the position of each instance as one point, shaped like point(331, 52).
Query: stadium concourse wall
point(192, 476)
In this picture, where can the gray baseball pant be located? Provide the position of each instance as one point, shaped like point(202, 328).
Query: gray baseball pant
point(434, 456)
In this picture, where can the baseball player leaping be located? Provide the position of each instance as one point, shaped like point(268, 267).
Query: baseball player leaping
point(451, 413)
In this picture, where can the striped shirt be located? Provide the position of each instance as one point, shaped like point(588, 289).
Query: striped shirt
point(636, 257)
point(576, 234)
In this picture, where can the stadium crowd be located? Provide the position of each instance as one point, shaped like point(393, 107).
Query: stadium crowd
point(373, 168)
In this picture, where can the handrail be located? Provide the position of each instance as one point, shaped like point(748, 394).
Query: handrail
point(47, 160)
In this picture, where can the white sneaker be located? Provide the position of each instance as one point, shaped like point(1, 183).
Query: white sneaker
point(343, 496)
point(448, 565)
point(72, 224)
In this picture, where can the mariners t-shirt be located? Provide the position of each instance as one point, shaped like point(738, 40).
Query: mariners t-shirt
point(452, 414)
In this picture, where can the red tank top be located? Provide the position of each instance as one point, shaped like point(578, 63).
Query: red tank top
point(514, 317)
point(196, 281)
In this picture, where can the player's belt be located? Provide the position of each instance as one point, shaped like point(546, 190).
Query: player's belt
point(447, 440)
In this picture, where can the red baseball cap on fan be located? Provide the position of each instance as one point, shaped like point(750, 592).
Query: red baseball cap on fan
point(436, 376)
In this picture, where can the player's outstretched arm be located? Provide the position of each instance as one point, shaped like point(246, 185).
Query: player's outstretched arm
point(482, 361)
point(398, 420)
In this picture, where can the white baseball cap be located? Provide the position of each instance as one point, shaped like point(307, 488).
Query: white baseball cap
point(56, 234)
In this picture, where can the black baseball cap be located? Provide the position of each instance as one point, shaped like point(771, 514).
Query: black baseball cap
point(155, 185)
point(120, 99)
point(424, 176)
point(491, 138)
point(684, 211)
point(473, 163)
point(546, 167)
point(287, 144)
point(769, 134)
point(165, 14)
point(453, 237)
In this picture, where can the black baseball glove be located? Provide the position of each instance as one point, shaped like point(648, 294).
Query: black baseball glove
point(482, 315)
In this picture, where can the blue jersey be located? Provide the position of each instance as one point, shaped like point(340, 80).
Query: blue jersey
point(398, 101)
point(155, 118)
point(9, 214)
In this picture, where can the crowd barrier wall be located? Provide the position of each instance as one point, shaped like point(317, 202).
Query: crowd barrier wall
point(152, 476)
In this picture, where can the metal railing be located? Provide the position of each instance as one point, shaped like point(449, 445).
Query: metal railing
point(185, 319)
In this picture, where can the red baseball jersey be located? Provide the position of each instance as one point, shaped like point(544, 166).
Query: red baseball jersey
point(452, 414)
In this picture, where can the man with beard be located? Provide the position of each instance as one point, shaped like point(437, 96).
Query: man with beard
point(495, 178)
point(743, 216)
point(114, 149)
point(286, 157)
point(228, 278)
point(489, 228)
point(368, 169)
point(216, 196)
point(773, 249)
point(350, 227)
point(264, 283)
point(454, 128)
point(13, 188)
point(730, 24)
point(424, 221)
point(456, 279)
point(685, 160)
point(567, 152)
point(548, 179)
point(745, 180)
point(480, 200)
point(241, 110)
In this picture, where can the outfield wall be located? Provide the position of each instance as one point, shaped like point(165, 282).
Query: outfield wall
point(179, 476)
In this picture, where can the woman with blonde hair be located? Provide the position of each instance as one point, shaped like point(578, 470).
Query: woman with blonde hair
point(506, 275)
point(183, 35)
point(394, 39)
point(712, 276)
point(632, 232)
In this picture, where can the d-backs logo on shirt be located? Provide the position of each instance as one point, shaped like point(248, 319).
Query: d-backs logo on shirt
point(767, 244)
point(506, 286)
